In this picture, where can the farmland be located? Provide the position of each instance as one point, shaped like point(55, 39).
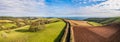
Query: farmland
point(94, 23)
point(50, 30)
point(95, 30)
point(38, 29)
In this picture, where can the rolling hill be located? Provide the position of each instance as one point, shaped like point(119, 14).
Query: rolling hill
point(104, 21)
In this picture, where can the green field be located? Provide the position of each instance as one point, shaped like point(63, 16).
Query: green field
point(8, 25)
point(51, 33)
point(95, 24)
point(105, 21)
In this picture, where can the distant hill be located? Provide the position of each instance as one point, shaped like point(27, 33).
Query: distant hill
point(104, 20)
point(73, 18)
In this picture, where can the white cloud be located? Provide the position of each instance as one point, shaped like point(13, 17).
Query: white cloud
point(39, 8)
point(110, 4)
point(20, 7)
point(105, 9)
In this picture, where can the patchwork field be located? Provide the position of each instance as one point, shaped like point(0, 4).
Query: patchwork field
point(52, 32)
point(32, 29)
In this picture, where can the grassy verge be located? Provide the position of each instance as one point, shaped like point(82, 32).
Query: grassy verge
point(50, 34)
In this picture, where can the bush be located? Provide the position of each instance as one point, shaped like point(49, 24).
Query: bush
point(36, 28)
point(4, 35)
point(7, 31)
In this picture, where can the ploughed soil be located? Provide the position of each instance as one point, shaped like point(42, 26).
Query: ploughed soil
point(84, 32)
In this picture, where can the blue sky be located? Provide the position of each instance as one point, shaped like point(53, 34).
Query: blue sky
point(57, 8)
point(73, 3)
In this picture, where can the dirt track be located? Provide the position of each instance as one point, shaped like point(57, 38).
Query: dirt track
point(83, 32)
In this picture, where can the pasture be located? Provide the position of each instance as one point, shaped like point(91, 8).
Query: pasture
point(51, 33)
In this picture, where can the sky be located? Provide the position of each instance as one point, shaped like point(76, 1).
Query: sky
point(60, 8)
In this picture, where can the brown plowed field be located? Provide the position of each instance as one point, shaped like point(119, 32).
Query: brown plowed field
point(83, 32)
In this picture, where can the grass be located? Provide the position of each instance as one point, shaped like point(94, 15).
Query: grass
point(5, 21)
point(9, 25)
point(50, 34)
point(117, 20)
point(105, 21)
point(13, 35)
point(108, 21)
point(95, 24)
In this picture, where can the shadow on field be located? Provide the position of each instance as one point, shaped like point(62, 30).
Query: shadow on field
point(22, 30)
point(61, 35)
point(58, 39)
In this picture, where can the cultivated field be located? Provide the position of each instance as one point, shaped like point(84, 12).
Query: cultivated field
point(85, 31)
point(38, 29)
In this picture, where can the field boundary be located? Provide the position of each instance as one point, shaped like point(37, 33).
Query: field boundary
point(72, 35)
point(89, 23)
point(66, 35)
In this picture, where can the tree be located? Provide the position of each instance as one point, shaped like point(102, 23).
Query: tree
point(36, 26)
point(27, 21)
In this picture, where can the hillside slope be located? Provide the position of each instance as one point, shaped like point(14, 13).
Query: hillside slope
point(105, 20)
